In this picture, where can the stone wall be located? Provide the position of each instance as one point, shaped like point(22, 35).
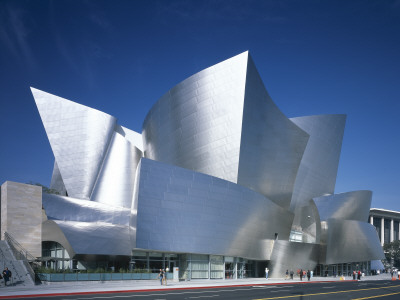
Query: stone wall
point(21, 215)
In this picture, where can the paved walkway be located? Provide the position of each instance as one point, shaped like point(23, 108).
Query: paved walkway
point(83, 287)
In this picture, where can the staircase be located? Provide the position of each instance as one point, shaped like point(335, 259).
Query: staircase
point(20, 269)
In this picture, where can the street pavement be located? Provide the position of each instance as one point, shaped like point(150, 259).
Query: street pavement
point(85, 287)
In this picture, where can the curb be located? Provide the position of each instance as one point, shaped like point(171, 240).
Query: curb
point(165, 289)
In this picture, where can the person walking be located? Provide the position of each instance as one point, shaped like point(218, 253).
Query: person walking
point(6, 275)
point(354, 275)
point(308, 275)
point(287, 275)
point(291, 274)
point(301, 275)
point(161, 276)
point(266, 273)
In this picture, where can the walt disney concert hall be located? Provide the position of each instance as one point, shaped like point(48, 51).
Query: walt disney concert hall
point(219, 183)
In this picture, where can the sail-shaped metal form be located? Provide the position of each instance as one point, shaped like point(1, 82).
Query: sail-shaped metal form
point(79, 137)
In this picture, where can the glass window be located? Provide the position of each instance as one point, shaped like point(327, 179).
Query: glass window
point(199, 266)
point(217, 266)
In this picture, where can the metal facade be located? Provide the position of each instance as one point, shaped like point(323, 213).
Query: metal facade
point(218, 169)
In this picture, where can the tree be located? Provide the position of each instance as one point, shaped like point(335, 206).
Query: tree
point(392, 253)
point(45, 189)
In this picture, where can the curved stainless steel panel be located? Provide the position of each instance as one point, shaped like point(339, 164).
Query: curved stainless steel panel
point(117, 176)
point(97, 237)
point(69, 209)
point(57, 182)
point(79, 138)
point(271, 145)
point(353, 205)
point(197, 124)
point(318, 169)
point(350, 241)
point(184, 211)
point(308, 223)
point(292, 256)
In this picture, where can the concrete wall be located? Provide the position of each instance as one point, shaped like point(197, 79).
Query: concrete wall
point(21, 215)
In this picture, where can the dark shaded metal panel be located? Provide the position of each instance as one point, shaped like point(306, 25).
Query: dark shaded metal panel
point(79, 137)
point(348, 206)
point(184, 211)
point(271, 146)
point(197, 124)
point(350, 241)
point(52, 232)
point(57, 182)
point(116, 180)
point(292, 256)
point(318, 169)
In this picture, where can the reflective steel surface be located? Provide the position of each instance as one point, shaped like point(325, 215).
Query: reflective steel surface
point(271, 145)
point(350, 241)
point(79, 138)
point(318, 168)
point(218, 169)
point(349, 206)
point(293, 256)
point(57, 181)
point(185, 211)
point(116, 180)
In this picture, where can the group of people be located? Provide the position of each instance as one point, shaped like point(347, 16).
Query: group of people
point(357, 274)
point(302, 273)
point(6, 274)
point(394, 273)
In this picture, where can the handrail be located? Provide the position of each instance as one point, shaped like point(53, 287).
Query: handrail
point(19, 252)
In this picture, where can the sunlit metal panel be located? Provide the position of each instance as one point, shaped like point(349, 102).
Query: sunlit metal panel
point(116, 180)
point(353, 205)
point(79, 137)
point(197, 124)
point(184, 211)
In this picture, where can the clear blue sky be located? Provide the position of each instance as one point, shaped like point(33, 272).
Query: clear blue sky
point(315, 57)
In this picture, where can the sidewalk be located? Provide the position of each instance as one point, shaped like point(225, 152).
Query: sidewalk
point(82, 287)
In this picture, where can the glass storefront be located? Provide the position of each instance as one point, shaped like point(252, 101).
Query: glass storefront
point(55, 257)
point(193, 266)
point(345, 269)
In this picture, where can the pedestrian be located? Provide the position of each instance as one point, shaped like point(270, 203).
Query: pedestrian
point(354, 275)
point(287, 275)
point(6, 275)
point(266, 273)
point(291, 274)
point(359, 275)
point(301, 275)
point(312, 273)
point(308, 275)
point(161, 276)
